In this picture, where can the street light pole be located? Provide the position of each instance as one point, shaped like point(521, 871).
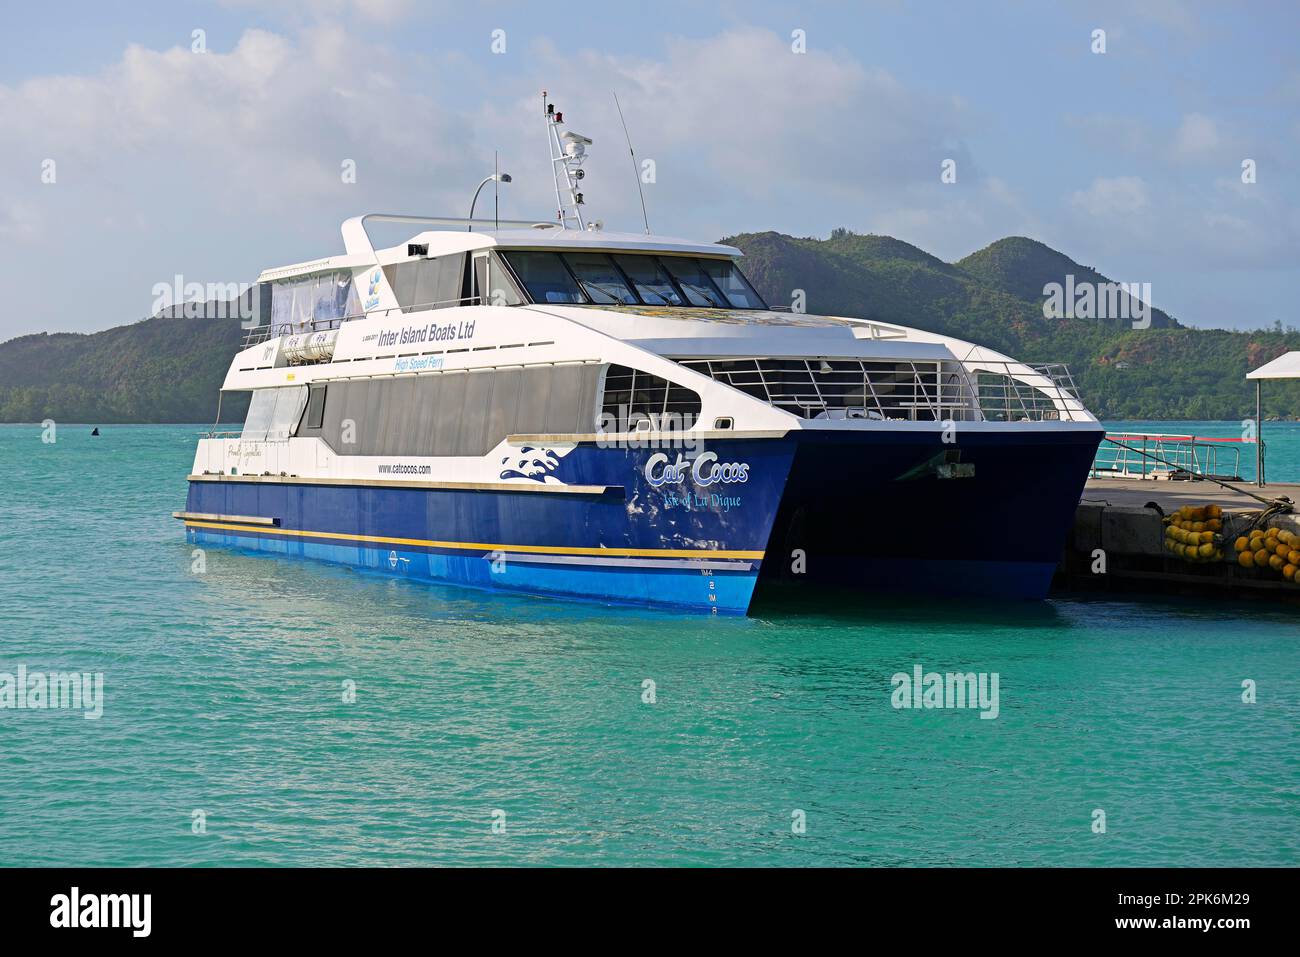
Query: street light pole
point(495, 177)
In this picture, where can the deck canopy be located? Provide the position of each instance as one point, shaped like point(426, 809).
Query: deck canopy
point(1285, 366)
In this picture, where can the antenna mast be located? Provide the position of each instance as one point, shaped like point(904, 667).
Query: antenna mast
point(568, 150)
point(635, 171)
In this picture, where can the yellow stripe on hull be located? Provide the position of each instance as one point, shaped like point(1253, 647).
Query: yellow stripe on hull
point(486, 546)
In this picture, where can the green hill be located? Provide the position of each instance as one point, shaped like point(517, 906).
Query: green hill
point(168, 369)
point(1022, 267)
point(163, 369)
point(994, 297)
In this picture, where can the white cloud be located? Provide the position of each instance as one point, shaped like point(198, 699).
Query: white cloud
point(1197, 136)
point(219, 164)
point(225, 162)
point(765, 117)
point(729, 120)
point(268, 122)
point(746, 134)
point(1112, 198)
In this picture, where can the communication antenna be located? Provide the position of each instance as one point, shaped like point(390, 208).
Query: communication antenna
point(635, 170)
point(568, 150)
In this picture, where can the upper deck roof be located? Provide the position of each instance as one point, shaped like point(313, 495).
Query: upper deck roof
point(552, 237)
point(453, 235)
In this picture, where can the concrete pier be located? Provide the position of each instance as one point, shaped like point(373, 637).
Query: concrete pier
point(1117, 543)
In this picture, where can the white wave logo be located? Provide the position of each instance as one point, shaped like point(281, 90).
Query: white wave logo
point(704, 471)
point(531, 463)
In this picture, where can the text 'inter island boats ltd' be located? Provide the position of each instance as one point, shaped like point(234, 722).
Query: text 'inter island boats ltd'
point(553, 408)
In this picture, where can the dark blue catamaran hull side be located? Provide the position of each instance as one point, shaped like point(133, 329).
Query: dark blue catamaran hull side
point(898, 510)
point(985, 515)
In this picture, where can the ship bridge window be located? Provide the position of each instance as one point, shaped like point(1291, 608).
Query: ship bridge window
point(632, 396)
point(733, 284)
point(651, 280)
point(632, 279)
point(427, 283)
point(602, 281)
point(493, 285)
point(695, 282)
point(545, 276)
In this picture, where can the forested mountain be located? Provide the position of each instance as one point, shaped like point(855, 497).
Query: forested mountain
point(168, 368)
point(994, 297)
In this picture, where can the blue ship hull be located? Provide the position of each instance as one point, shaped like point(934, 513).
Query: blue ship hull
point(896, 511)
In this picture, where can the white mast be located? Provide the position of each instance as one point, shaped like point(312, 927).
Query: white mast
point(568, 150)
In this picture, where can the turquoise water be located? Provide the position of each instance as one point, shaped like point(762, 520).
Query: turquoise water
point(1281, 445)
point(223, 693)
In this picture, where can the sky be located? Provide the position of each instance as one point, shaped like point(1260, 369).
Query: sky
point(209, 140)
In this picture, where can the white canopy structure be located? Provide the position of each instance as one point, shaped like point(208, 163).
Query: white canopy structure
point(1285, 366)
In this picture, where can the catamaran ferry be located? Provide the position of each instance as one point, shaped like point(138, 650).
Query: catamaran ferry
point(550, 407)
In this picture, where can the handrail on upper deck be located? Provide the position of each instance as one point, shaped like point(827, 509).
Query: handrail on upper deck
point(357, 240)
point(456, 221)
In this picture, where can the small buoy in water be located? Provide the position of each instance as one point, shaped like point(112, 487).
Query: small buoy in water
point(95, 431)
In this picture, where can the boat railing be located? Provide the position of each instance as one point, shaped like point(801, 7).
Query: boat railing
point(1160, 455)
point(1025, 392)
point(260, 334)
point(830, 388)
